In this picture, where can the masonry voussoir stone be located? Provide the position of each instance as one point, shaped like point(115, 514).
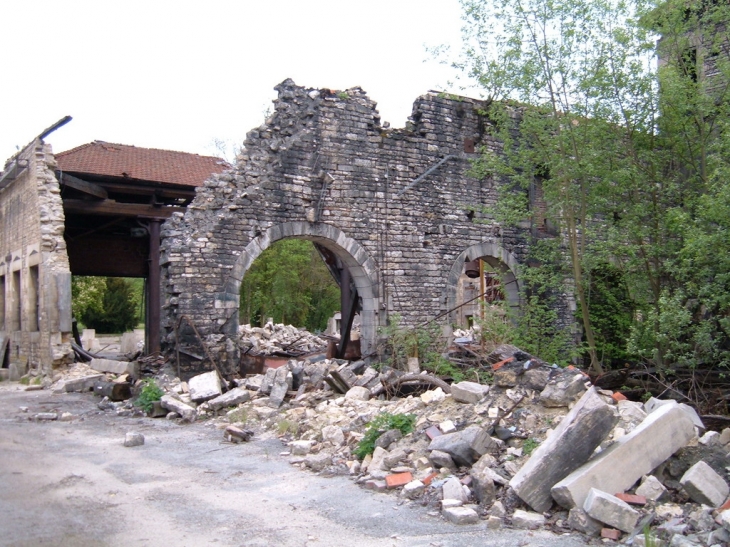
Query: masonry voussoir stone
point(617, 468)
point(568, 447)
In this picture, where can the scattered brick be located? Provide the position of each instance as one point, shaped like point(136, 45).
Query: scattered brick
point(427, 481)
point(433, 432)
point(633, 499)
point(499, 365)
point(398, 479)
point(618, 396)
point(610, 533)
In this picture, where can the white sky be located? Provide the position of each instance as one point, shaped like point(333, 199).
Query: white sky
point(178, 74)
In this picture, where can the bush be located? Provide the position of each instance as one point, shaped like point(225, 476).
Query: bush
point(118, 312)
point(379, 425)
point(149, 393)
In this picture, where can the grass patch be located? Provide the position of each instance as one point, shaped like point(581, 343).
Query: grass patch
point(380, 424)
point(149, 393)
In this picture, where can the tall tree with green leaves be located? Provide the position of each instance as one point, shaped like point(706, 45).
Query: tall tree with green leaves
point(625, 154)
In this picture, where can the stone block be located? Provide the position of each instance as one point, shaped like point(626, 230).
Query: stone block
point(570, 445)
point(724, 519)
point(452, 489)
point(388, 438)
point(359, 393)
point(441, 459)
point(301, 448)
point(582, 522)
point(651, 488)
point(460, 515)
point(110, 365)
point(465, 446)
point(610, 510)
point(133, 439)
point(468, 392)
point(483, 482)
point(494, 523)
point(433, 396)
point(414, 489)
point(527, 520)
point(187, 412)
point(82, 384)
point(563, 389)
point(704, 485)
point(507, 375)
point(283, 381)
point(617, 468)
point(536, 378)
point(204, 387)
point(233, 397)
point(317, 462)
point(333, 434)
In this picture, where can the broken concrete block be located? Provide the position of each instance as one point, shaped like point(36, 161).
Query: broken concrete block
point(447, 426)
point(301, 448)
point(483, 482)
point(110, 365)
point(536, 378)
point(465, 446)
point(204, 387)
point(653, 404)
point(617, 468)
point(610, 510)
point(186, 411)
point(333, 434)
point(452, 489)
point(563, 389)
point(569, 446)
point(233, 397)
point(433, 396)
point(711, 438)
point(283, 381)
point(267, 382)
point(359, 393)
point(388, 438)
point(376, 467)
point(631, 412)
point(394, 457)
point(651, 488)
point(133, 439)
point(527, 520)
point(441, 459)
point(582, 522)
point(82, 384)
point(704, 485)
point(414, 489)
point(317, 462)
point(468, 392)
point(460, 515)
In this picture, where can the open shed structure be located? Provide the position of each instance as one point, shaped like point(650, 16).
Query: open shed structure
point(94, 210)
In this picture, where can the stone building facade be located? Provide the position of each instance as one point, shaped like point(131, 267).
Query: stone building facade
point(398, 207)
point(35, 280)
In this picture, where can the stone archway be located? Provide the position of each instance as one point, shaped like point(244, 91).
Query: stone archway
point(362, 268)
point(498, 258)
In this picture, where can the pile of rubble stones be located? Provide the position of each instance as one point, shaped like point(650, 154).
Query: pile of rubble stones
point(278, 338)
point(538, 447)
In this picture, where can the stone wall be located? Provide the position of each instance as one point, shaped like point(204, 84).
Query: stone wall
point(323, 168)
point(35, 281)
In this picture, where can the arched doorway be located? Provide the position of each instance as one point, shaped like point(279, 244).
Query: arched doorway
point(500, 261)
point(361, 267)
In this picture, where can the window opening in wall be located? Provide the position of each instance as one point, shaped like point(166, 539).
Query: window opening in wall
point(33, 300)
point(16, 303)
point(2, 302)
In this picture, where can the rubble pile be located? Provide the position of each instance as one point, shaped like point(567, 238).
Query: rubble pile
point(279, 339)
point(539, 447)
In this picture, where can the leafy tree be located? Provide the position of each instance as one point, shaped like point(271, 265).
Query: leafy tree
point(118, 311)
point(289, 282)
point(632, 161)
point(87, 294)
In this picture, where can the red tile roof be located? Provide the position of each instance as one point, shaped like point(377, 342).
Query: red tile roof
point(141, 164)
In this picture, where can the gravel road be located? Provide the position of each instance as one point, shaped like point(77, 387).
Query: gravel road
point(74, 484)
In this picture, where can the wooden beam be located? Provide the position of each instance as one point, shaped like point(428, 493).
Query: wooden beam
point(109, 207)
point(83, 186)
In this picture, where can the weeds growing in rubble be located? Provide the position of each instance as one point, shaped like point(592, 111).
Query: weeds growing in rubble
point(380, 424)
point(287, 426)
point(529, 445)
point(149, 393)
point(240, 415)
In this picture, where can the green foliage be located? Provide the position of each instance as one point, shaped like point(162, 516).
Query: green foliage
point(495, 326)
point(633, 162)
point(289, 282)
point(118, 310)
point(529, 446)
point(422, 342)
point(343, 95)
point(149, 393)
point(284, 427)
point(87, 295)
point(380, 424)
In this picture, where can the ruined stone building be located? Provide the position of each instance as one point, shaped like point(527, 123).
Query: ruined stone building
point(395, 209)
point(93, 210)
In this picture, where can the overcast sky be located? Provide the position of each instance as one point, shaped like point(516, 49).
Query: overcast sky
point(178, 74)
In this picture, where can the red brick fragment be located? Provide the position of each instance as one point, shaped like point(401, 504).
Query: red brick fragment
point(618, 396)
point(633, 499)
point(433, 432)
point(724, 507)
point(499, 365)
point(398, 479)
point(610, 533)
point(430, 478)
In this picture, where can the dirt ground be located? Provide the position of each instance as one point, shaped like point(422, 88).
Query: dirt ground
point(74, 484)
